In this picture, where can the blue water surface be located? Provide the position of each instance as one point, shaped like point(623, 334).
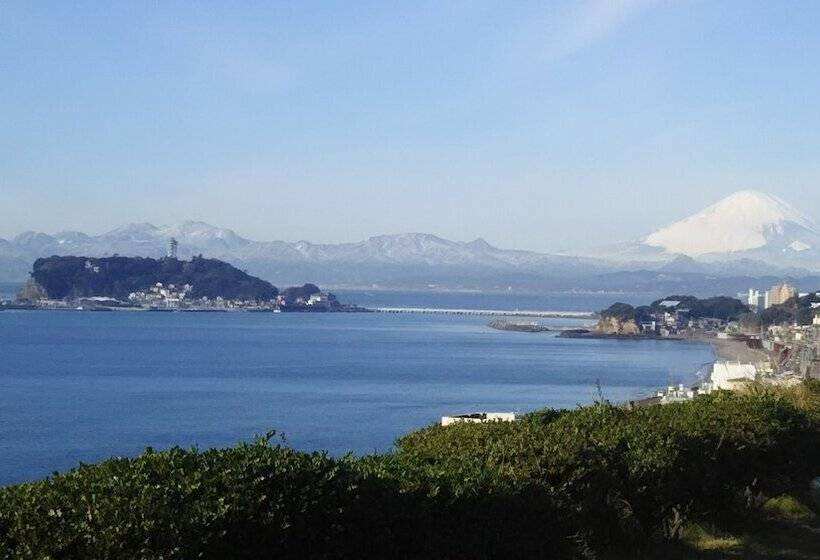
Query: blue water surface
point(82, 386)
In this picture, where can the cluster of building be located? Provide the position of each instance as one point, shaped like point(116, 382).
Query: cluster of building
point(776, 295)
point(722, 376)
point(320, 301)
point(478, 418)
point(671, 321)
point(786, 354)
point(170, 296)
point(160, 295)
point(795, 349)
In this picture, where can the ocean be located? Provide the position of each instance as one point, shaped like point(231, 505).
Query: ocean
point(8, 290)
point(82, 386)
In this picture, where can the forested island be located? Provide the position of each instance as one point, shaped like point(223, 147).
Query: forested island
point(118, 277)
point(162, 284)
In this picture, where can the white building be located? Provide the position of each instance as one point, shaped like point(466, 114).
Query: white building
point(677, 393)
point(173, 246)
point(318, 300)
point(730, 375)
point(756, 299)
point(478, 418)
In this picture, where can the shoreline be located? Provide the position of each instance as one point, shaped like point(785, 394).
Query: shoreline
point(732, 350)
point(723, 350)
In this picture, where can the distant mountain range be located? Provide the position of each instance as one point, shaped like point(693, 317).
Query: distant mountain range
point(747, 235)
point(406, 260)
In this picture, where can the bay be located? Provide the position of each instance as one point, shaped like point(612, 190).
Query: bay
point(83, 386)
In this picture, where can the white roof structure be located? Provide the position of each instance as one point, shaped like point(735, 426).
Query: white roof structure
point(727, 375)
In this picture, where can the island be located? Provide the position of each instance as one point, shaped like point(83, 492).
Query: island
point(166, 284)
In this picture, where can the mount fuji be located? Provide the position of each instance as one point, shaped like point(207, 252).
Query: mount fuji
point(748, 229)
point(746, 221)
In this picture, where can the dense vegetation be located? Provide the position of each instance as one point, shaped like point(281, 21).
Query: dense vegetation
point(297, 292)
point(558, 484)
point(723, 308)
point(117, 277)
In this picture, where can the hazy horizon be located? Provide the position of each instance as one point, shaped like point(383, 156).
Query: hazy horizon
point(184, 222)
point(539, 127)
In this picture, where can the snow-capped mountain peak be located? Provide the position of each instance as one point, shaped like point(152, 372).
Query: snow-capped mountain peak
point(744, 221)
point(133, 232)
point(201, 232)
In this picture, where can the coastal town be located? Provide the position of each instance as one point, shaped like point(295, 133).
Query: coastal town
point(775, 341)
point(764, 336)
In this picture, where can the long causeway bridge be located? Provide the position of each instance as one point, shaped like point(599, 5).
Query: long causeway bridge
point(489, 312)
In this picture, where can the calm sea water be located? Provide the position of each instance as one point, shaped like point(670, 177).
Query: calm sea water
point(561, 301)
point(9, 289)
point(81, 386)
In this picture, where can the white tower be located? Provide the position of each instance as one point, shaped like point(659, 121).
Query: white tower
point(172, 248)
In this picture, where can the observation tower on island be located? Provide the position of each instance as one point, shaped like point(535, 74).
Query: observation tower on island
point(172, 248)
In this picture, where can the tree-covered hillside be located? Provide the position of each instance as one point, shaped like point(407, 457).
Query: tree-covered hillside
point(117, 277)
point(798, 310)
point(723, 308)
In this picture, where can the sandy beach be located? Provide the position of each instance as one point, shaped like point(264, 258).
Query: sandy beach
point(736, 351)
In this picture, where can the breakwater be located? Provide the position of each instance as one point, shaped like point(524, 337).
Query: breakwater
point(489, 312)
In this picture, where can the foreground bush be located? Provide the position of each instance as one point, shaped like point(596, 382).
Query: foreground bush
point(556, 484)
point(631, 474)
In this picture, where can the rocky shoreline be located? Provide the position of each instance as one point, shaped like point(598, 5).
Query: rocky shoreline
point(583, 333)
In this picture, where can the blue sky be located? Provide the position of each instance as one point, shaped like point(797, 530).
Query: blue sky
point(536, 125)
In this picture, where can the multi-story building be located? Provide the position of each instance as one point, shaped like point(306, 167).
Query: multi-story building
point(781, 293)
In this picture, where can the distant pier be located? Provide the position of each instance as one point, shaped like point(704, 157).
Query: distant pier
point(489, 312)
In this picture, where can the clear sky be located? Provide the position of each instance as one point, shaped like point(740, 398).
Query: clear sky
point(536, 125)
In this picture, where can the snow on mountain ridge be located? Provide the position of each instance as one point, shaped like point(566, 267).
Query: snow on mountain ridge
point(743, 221)
point(132, 232)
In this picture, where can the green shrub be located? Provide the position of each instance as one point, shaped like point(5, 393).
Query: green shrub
point(554, 484)
point(621, 473)
point(219, 503)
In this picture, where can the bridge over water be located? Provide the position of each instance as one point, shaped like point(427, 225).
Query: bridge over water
point(490, 312)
